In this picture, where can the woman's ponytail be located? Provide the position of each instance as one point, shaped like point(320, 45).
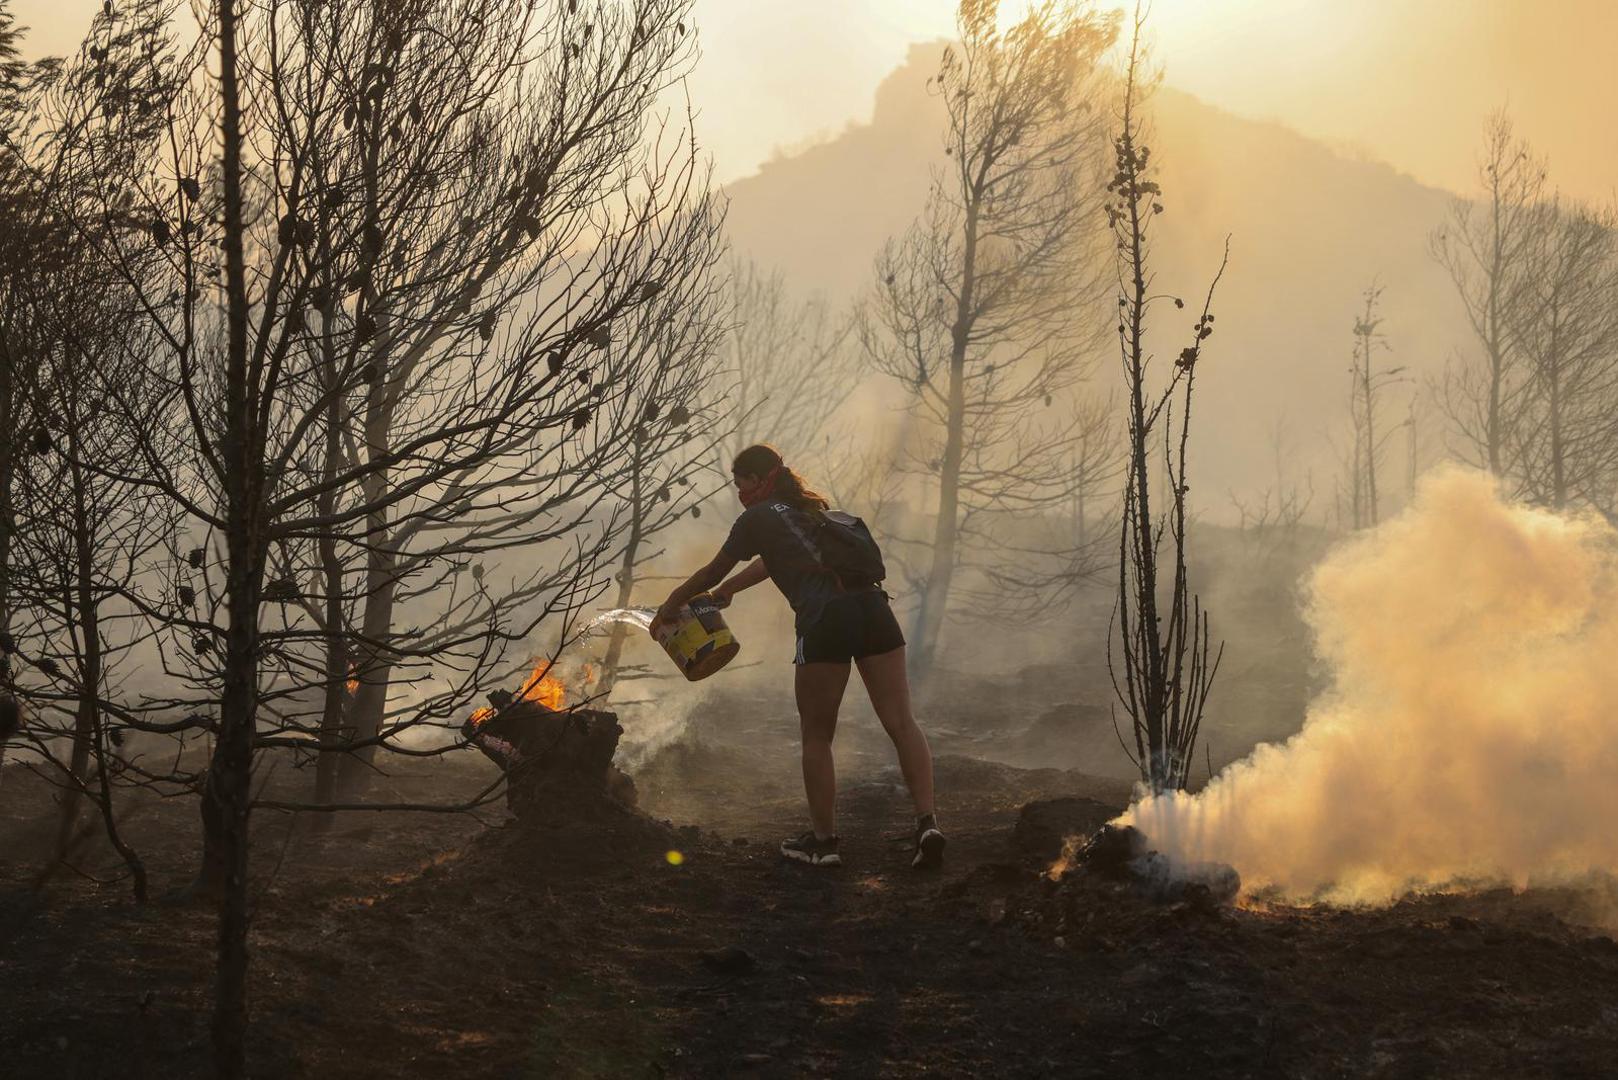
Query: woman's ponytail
point(763, 460)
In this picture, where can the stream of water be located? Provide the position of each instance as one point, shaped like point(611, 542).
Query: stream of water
point(641, 617)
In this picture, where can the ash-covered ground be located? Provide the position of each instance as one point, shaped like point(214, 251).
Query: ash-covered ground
point(450, 945)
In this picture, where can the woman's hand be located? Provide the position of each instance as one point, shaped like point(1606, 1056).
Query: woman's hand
point(721, 595)
point(702, 580)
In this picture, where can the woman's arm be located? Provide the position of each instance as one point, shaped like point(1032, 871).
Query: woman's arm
point(746, 578)
point(699, 582)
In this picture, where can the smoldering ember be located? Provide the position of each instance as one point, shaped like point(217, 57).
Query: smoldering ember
point(595, 538)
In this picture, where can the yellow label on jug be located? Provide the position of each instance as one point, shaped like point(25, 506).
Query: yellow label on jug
point(691, 637)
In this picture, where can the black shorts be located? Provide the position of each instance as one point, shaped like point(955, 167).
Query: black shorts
point(854, 625)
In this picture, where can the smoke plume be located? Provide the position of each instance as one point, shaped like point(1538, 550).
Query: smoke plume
point(1470, 732)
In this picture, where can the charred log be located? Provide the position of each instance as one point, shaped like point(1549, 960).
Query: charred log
point(1122, 853)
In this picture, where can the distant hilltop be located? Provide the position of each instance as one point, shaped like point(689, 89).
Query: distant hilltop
point(1310, 228)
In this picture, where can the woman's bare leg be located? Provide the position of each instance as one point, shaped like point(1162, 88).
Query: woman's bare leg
point(889, 687)
point(820, 692)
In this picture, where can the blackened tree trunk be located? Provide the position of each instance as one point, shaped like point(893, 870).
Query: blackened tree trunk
point(336, 701)
point(1368, 404)
point(1167, 661)
point(1368, 386)
point(1553, 409)
point(91, 720)
point(626, 570)
point(941, 574)
point(1137, 545)
point(373, 663)
point(80, 616)
point(374, 659)
point(227, 800)
point(8, 442)
point(13, 243)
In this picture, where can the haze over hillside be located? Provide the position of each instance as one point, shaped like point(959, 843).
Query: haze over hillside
point(1310, 228)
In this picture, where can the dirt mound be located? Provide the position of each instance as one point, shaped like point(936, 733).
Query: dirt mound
point(1007, 783)
point(1478, 985)
point(692, 764)
point(595, 835)
point(1044, 825)
point(1067, 725)
point(715, 783)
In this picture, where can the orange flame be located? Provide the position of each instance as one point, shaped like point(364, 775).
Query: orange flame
point(353, 678)
point(542, 688)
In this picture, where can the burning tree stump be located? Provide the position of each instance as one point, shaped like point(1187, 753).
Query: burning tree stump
point(558, 762)
point(1044, 825)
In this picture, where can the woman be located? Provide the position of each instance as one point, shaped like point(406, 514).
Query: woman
point(837, 624)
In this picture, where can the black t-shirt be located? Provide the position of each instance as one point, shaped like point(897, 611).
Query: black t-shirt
point(784, 536)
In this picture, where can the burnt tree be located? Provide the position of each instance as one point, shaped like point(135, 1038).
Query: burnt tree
point(678, 411)
point(1485, 246)
point(1564, 447)
point(986, 311)
point(1161, 652)
point(1366, 388)
point(382, 262)
point(794, 365)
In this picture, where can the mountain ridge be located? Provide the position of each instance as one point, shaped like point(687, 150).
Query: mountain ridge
point(1311, 228)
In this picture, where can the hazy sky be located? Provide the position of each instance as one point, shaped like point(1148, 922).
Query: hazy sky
point(1406, 81)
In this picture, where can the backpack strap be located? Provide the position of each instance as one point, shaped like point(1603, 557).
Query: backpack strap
point(809, 543)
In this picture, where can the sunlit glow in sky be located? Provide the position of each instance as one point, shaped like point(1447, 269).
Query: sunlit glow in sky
point(1408, 83)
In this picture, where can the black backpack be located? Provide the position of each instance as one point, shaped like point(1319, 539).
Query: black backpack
point(840, 542)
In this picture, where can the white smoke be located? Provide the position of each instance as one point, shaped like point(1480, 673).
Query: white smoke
point(1470, 733)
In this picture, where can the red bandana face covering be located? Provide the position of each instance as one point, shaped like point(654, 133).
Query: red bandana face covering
point(762, 490)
